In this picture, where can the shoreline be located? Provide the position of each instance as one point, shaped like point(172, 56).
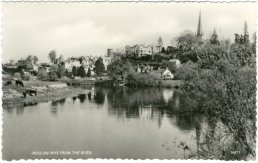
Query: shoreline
point(45, 97)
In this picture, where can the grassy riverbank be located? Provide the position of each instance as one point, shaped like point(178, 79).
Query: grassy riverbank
point(46, 91)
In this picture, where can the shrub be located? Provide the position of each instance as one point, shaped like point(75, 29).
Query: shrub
point(186, 71)
point(42, 74)
point(17, 75)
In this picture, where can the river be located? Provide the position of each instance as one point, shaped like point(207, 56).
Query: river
point(106, 123)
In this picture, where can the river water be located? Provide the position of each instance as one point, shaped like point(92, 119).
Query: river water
point(105, 123)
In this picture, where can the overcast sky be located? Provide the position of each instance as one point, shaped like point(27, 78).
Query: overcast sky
point(75, 29)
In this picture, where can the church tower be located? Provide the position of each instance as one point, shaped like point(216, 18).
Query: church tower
point(199, 33)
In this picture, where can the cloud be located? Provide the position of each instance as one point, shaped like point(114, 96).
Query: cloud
point(74, 29)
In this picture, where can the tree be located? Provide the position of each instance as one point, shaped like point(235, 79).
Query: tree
point(118, 69)
point(88, 72)
point(29, 59)
point(35, 59)
point(163, 50)
point(52, 76)
point(254, 43)
point(61, 71)
point(17, 75)
point(81, 59)
point(81, 71)
point(42, 74)
point(160, 41)
point(226, 90)
point(99, 66)
point(52, 56)
point(186, 40)
point(74, 71)
point(60, 59)
point(32, 59)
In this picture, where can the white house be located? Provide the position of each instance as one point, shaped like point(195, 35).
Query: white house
point(167, 75)
point(106, 61)
point(71, 62)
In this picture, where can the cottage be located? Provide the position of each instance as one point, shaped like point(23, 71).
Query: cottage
point(167, 75)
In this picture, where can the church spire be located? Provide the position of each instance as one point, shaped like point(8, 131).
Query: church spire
point(199, 28)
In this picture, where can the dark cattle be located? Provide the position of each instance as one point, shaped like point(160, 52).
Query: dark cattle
point(8, 83)
point(31, 92)
point(18, 82)
point(24, 94)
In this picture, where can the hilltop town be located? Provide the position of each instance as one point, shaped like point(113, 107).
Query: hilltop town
point(134, 65)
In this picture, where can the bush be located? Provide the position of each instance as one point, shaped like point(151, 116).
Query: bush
point(226, 91)
point(142, 80)
point(42, 74)
point(17, 75)
point(186, 71)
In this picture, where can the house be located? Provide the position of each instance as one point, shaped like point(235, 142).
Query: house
point(71, 62)
point(156, 49)
point(22, 63)
point(140, 50)
point(167, 75)
point(176, 62)
point(106, 61)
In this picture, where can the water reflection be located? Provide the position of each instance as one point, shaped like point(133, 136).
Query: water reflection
point(57, 102)
point(147, 103)
point(130, 113)
point(99, 96)
point(74, 98)
point(82, 98)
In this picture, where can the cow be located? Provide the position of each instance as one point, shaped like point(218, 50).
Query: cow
point(29, 92)
point(8, 83)
point(18, 82)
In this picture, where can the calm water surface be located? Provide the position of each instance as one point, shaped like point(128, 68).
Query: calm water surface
point(111, 123)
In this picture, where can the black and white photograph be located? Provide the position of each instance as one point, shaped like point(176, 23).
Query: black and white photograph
point(127, 80)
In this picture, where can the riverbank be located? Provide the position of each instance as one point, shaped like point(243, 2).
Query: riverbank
point(46, 91)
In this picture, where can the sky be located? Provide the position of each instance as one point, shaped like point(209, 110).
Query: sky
point(76, 29)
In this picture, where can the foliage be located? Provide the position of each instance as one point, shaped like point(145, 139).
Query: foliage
point(186, 56)
point(27, 76)
point(52, 56)
point(17, 75)
point(20, 69)
point(160, 41)
point(187, 71)
point(142, 80)
point(186, 40)
point(225, 87)
point(209, 54)
point(163, 50)
point(88, 73)
point(32, 59)
point(42, 74)
point(74, 71)
point(81, 72)
point(254, 43)
point(35, 59)
point(99, 66)
point(118, 69)
point(241, 54)
point(52, 76)
point(53, 70)
point(61, 71)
